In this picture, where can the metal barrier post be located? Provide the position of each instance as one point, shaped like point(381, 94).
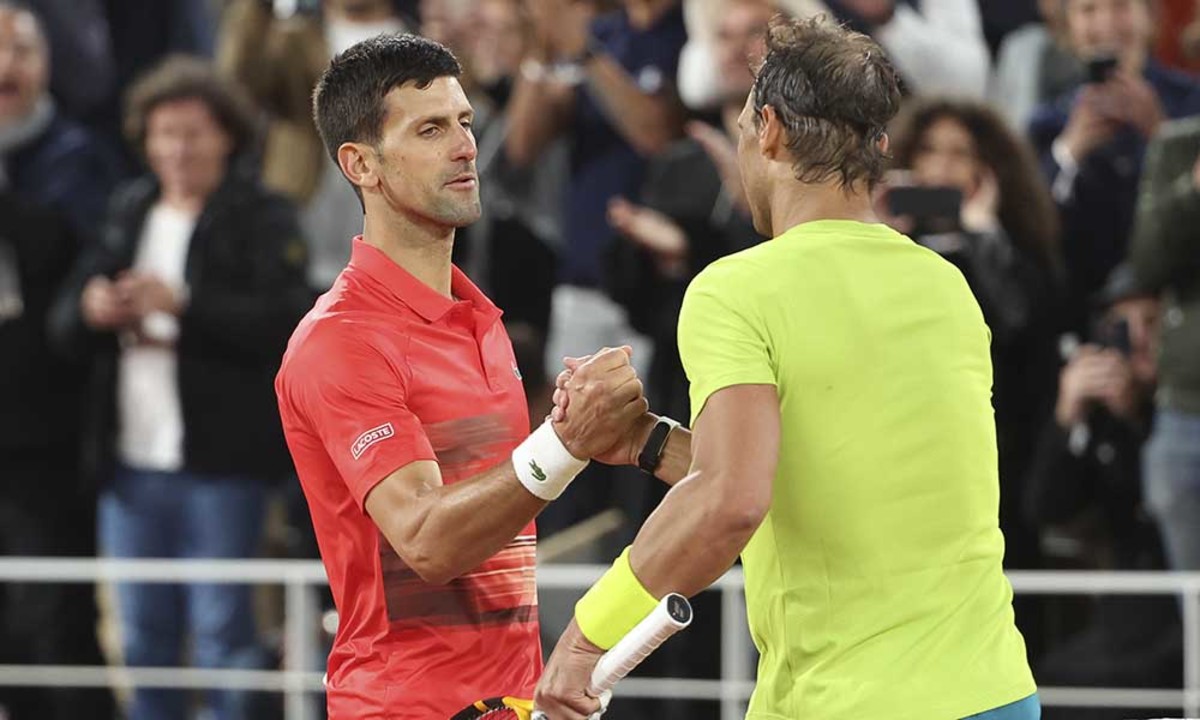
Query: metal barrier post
point(1191, 650)
point(300, 624)
point(734, 652)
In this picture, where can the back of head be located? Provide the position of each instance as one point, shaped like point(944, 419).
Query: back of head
point(834, 92)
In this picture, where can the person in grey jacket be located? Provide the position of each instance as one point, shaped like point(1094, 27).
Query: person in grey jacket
point(1165, 254)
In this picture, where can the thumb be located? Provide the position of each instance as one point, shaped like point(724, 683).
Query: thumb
point(628, 350)
point(573, 363)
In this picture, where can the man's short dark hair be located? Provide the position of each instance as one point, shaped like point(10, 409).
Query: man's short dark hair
point(835, 91)
point(180, 77)
point(348, 101)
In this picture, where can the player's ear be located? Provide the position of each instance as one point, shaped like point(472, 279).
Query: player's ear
point(772, 138)
point(885, 143)
point(359, 163)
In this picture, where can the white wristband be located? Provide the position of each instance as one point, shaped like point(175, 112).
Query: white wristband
point(544, 465)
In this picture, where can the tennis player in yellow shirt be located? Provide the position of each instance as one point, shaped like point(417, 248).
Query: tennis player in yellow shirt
point(844, 440)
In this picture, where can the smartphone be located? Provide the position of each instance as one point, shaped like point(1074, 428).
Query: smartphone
point(935, 208)
point(1101, 68)
point(1115, 335)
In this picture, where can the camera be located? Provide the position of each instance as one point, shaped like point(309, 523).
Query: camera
point(1101, 68)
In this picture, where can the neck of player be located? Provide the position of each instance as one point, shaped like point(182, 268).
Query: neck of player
point(421, 248)
point(794, 203)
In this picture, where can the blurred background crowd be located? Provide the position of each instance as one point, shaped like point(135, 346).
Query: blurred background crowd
point(168, 213)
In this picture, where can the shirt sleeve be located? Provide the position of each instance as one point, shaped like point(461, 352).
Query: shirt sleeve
point(355, 401)
point(722, 338)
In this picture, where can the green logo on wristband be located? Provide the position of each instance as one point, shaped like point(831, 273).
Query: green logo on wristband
point(538, 473)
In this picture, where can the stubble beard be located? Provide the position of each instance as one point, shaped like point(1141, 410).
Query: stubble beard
point(457, 212)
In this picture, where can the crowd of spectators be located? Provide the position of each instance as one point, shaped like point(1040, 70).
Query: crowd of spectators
point(168, 213)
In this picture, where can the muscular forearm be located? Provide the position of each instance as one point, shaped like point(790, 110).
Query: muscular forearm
point(647, 122)
point(706, 519)
point(691, 539)
point(461, 525)
point(443, 531)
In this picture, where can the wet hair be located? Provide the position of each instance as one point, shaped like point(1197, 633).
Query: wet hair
point(835, 91)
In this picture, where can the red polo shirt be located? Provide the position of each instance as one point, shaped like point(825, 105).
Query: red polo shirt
point(384, 371)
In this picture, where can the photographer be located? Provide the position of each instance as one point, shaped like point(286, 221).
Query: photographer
point(1092, 139)
point(1086, 487)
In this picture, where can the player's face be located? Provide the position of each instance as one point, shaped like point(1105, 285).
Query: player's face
point(427, 153)
point(24, 66)
point(1096, 27)
point(946, 157)
point(741, 35)
point(753, 169)
point(186, 147)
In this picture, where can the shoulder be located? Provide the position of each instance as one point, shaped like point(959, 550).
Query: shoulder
point(1170, 81)
point(737, 280)
point(133, 197)
point(246, 192)
point(336, 349)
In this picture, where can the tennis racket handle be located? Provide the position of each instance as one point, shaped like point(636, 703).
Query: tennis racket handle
point(672, 614)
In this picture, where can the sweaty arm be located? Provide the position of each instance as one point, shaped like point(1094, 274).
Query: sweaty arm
point(354, 397)
point(442, 531)
point(705, 521)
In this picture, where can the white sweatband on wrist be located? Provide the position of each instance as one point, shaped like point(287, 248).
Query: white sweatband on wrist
point(544, 465)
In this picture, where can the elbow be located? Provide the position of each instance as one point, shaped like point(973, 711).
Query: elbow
point(738, 514)
point(430, 564)
point(432, 561)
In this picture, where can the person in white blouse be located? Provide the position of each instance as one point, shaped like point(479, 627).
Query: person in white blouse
point(183, 309)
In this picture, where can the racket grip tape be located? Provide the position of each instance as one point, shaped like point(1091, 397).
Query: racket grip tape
point(672, 614)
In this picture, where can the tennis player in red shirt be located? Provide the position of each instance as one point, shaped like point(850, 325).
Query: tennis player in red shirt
point(406, 418)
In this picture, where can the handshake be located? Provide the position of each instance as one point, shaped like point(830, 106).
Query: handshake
point(600, 410)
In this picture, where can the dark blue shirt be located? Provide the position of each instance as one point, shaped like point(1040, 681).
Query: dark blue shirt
point(603, 164)
point(68, 170)
point(1098, 214)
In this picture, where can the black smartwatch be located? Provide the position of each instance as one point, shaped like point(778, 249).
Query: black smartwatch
point(651, 455)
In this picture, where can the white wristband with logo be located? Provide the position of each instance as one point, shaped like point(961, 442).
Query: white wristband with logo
point(544, 465)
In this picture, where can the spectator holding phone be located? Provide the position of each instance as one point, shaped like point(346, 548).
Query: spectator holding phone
point(1086, 487)
point(1092, 139)
point(1166, 257)
point(999, 228)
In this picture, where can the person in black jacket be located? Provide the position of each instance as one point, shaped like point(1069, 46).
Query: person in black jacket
point(1085, 495)
point(185, 307)
point(44, 508)
point(45, 157)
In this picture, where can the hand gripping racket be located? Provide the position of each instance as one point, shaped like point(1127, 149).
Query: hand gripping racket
point(672, 614)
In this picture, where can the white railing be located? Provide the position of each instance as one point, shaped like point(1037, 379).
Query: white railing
point(300, 578)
